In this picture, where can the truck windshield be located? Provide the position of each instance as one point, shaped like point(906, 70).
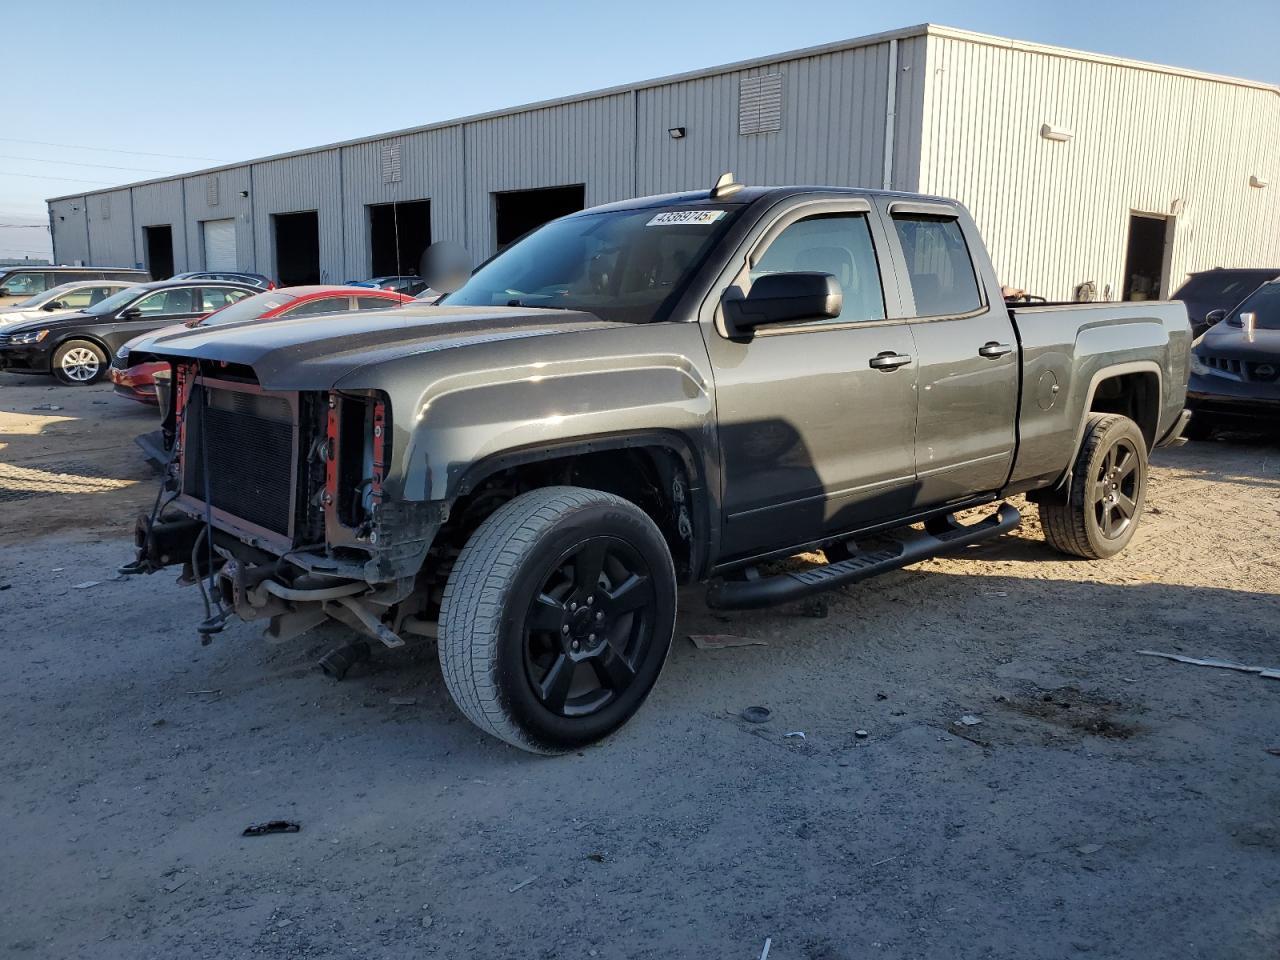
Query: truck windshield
point(627, 265)
point(1264, 304)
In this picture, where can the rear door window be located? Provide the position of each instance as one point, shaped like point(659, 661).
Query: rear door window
point(323, 305)
point(168, 303)
point(375, 303)
point(215, 298)
point(939, 266)
point(836, 243)
point(24, 285)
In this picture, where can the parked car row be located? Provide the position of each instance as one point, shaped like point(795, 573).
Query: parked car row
point(23, 283)
point(138, 382)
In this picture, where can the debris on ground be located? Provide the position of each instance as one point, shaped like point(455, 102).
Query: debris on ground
point(521, 885)
point(862, 734)
point(969, 720)
point(597, 858)
point(959, 730)
point(723, 641)
point(336, 663)
point(205, 693)
point(757, 714)
point(794, 735)
point(764, 954)
point(1271, 673)
point(1274, 751)
point(86, 585)
point(1089, 849)
point(403, 701)
point(271, 826)
point(46, 406)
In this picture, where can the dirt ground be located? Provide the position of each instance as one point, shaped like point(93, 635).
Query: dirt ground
point(1107, 804)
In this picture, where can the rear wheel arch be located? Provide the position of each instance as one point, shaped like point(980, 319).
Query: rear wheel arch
point(1132, 390)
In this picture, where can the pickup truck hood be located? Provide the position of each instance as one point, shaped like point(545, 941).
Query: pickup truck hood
point(1225, 340)
point(314, 353)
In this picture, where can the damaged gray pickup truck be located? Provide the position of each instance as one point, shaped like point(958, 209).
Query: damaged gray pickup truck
point(663, 391)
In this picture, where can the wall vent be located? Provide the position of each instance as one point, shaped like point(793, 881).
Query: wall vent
point(391, 162)
point(104, 208)
point(211, 191)
point(760, 104)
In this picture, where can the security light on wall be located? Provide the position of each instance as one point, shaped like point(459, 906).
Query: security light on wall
point(244, 194)
point(1257, 181)
point(676, 133)
point(1051, 132)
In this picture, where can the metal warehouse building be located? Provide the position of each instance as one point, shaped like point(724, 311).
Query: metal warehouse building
point(1079, 168)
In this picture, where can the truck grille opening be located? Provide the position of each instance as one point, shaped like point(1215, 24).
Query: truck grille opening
point(249, 438)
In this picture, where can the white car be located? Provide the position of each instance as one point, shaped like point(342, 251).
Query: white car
point(75, 295)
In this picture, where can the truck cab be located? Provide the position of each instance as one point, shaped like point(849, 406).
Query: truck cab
point(663, 390)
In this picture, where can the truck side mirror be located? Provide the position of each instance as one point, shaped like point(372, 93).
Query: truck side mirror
point(786, 298)
point(1215, 316)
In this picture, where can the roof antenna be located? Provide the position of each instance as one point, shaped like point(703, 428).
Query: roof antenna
point(726, 186)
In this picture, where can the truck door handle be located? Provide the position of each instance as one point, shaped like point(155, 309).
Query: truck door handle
point(889, 360)
point(993, 350)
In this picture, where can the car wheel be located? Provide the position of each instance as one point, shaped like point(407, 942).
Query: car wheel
point(1098, 516)
point(79, 363)
point(557, 618)
point(1199, 427)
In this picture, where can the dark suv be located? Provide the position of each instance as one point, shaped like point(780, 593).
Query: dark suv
point(1210, 291)
point(21, 283)
point(77, 347)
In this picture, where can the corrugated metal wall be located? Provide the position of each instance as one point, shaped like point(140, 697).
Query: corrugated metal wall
point(832, 132)
point(968, 111)
point(111, 228)
point(311, 181)
point(157, 204)
point(1055, 214)
point(430, 169)
point(69, 230)
point(589, 142)
point(225, 190)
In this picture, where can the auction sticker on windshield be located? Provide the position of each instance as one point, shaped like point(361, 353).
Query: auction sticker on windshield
point(685, 216)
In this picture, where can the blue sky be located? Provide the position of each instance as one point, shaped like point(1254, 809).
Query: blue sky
point(201, 82)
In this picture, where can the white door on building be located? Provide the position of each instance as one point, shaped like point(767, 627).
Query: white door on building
point(219, 244)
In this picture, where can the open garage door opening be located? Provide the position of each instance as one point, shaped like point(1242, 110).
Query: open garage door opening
point(159, 243)
point(1146, 262)
point(399, 233)
point(297, 247)
point(219, 237)
point(519, 211)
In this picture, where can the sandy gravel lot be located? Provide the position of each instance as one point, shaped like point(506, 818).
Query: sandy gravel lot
point(1108, 804)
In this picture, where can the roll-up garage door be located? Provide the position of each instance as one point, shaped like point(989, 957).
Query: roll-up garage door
point(220, 244)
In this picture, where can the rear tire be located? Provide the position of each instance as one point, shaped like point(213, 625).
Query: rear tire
point(79, 363)
point(557, 618)
point(1100, 512)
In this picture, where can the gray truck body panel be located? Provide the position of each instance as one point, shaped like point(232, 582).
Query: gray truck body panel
point(792, 434)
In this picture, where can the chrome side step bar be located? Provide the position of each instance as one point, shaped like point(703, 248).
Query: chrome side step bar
point(942, 536)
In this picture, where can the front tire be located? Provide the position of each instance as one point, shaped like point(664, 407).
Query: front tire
point(79, 363)
point(557, 618)
point(1098, 516)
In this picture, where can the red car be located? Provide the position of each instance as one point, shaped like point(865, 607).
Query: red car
point(139, 382)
